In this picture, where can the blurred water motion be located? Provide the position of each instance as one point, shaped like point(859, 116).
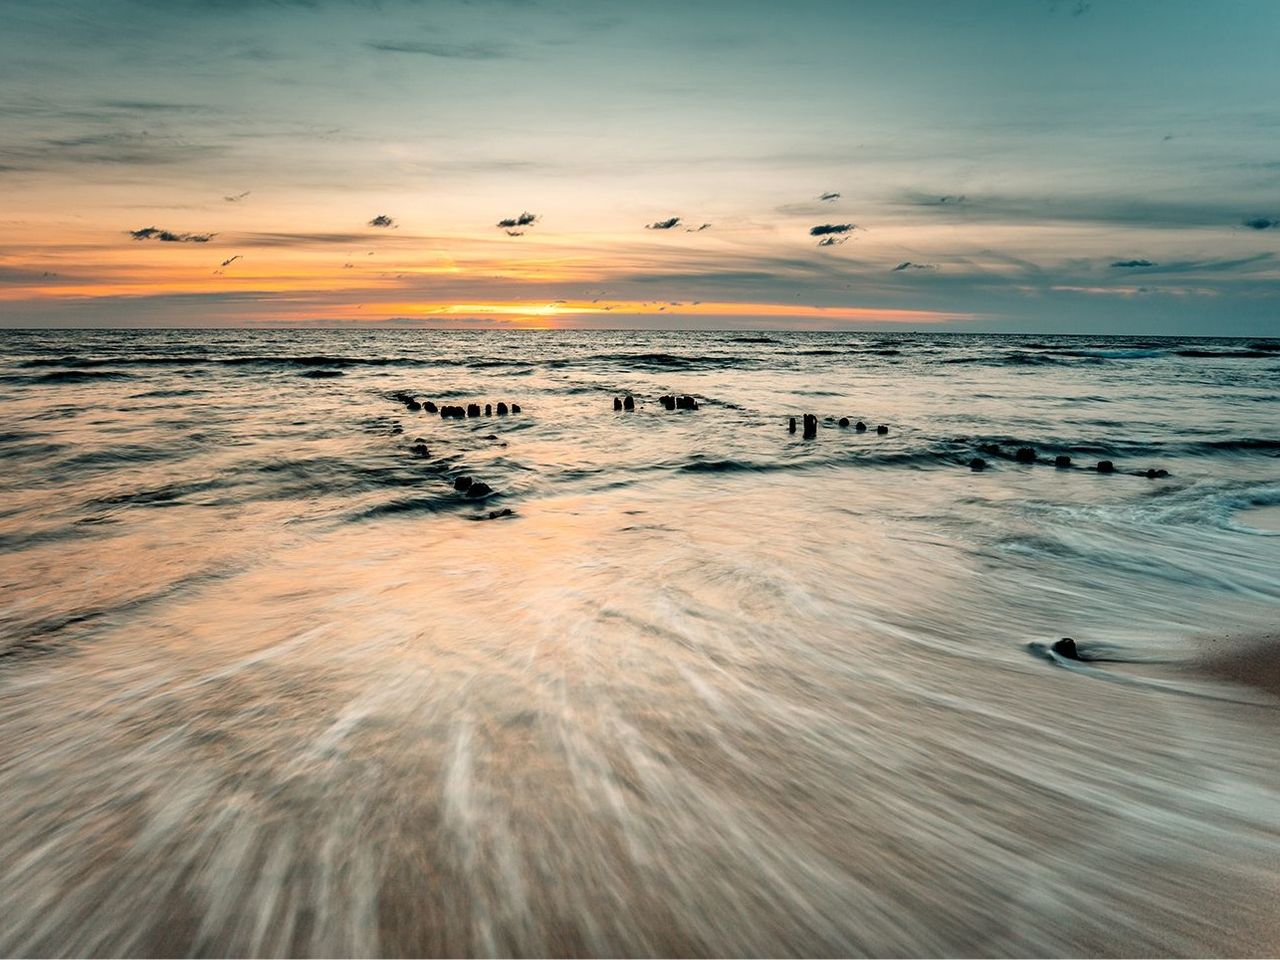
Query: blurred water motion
point(266, 688)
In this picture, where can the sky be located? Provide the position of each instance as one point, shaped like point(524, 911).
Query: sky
point(1073, 166)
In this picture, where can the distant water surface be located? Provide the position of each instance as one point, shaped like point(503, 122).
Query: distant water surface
point(270, 685)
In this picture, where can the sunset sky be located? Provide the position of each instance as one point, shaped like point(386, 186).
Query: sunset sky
point(1031, 165)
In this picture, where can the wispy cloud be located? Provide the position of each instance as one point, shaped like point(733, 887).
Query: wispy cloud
point(909, 265)
point(1133, 263)
point(168, 236)
point(825, 229)
point(829, 196)
point(446, 51)
point(663, 224)
point(524, 220)
point(1262, 223)
point(236, 198)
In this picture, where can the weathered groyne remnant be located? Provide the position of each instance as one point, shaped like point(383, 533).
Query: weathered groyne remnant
point(882, 429)
point(1025, 455)
point(810, 426)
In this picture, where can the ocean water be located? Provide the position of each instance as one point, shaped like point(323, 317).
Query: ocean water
point(269, 684)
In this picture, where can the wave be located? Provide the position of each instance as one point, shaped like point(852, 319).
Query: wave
point(72, 377)
point(1228, 354)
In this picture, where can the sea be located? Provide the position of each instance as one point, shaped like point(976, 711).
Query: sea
point(274, 680)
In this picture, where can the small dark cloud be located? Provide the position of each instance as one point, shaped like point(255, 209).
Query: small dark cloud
point(663, 224)
point(525, 219)
point(237, 198)
point(168, 236)
point(828, 196)
point(1133, 263)
point(228, 262)
point(823, 229)
point(445, 51)
point(696, 229)
point(909, 265)
point(1262, 223)
point(831, 241)
point(515, 233)
point(382, 220)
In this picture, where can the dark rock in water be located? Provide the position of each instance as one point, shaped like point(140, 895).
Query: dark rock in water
point(414, 405)
point(1062, 460)
point(686, 403)
point(429, 407)
point(479, 489)
point(1105, 466)
point(617, 403)
point(419, 450)
point(844, 421)
point(1025, 455)
point(473, 409)
point(629, 403)
point(792, 427)
point(1066, 647)
point(992, 449)
point(1154, 474)
point(977, 463)
point(668, 401)
point(504, 512)
point(488, 409)
point(491, 436)
point(810, 426)
point(860, 427)
point(515, 408)
point(462, 484)
point(882, 429)
point(502, 409)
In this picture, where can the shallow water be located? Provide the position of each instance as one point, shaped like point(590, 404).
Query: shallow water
point(267, 687)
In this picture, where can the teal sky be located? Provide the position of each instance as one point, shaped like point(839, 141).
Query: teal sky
point(1062, 166)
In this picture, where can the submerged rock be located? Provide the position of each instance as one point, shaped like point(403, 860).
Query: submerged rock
point(429, 407)
point(504, 512)
point(1062, 460)
point(977, 463)
point(860, 427)
point(1066, 647)
point(462, 484)
point(419, 450)
point(1154, 474)
point(1105, 466)
point(479, 489)
point(414, 405)
point(844, 421)
point(882, 429)
point(686, 403)
point(1025, 455)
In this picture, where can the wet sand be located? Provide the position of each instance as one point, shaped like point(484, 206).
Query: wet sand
point(1250, 658)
